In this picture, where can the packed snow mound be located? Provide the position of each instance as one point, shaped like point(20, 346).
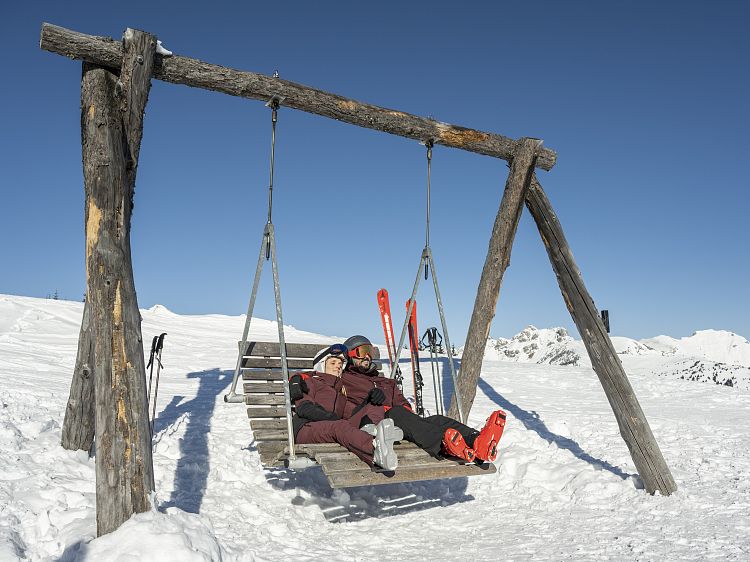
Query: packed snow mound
point(549, 346)
point(154, 536)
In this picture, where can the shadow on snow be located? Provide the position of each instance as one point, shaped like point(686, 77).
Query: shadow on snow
point(191, 473)
point(533, 422)
point(365, 502)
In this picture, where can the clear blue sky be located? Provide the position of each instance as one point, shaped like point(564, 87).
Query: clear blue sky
point(645, 103)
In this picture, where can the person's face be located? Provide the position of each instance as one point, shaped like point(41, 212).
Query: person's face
point(334, 365)
point(364, 356)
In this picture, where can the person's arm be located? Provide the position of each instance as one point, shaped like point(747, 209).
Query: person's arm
point(314, 412)
point(302, 388)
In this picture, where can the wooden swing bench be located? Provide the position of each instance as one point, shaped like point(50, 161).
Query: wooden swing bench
point(266, 407)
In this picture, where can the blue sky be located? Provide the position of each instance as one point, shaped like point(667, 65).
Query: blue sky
point(645, 103)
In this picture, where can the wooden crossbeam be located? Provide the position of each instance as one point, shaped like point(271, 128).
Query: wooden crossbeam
point(107, 52)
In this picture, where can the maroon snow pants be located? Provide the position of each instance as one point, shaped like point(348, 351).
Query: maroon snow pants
point(344, 432)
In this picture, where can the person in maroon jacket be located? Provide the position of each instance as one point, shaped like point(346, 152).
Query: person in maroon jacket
point(320, 402)
point(435, 434)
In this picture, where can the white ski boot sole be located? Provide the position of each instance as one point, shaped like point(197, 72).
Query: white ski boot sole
point(386, 435)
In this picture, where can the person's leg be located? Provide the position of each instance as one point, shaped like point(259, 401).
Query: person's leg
point(366, 415)
point(444, 422)
point(426, 435)
point(341, 432)
point(483, 442)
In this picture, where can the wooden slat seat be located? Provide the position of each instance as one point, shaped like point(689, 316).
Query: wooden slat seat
point(264, 396)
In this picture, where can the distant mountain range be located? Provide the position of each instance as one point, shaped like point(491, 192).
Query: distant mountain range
point(715, 356)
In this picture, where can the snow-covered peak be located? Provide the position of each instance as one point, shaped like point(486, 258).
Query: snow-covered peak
point(551, 346)
point(160, 309)
point(716, 345)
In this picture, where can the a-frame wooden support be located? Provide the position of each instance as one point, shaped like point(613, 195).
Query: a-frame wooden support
point(634, 427)
point(522, 185)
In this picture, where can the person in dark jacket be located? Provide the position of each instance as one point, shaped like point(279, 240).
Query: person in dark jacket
point(435, 434)
point(320, 401)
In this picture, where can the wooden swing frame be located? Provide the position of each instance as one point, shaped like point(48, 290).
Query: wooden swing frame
point(114, 91)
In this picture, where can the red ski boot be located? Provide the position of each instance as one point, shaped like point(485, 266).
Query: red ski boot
point(485, 445)
point(455, 446)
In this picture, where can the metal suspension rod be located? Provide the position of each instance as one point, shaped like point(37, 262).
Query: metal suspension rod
point(265, 248)
point(408, 311)
point(429, 165)
point(426, 259)
point(429, 145)
point(274, 105)
point(282, 344)
point(233, 396)
point(447, 339)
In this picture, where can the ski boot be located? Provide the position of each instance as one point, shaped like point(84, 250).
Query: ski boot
point(454, 445)
point(386, 434)
point(485, 445)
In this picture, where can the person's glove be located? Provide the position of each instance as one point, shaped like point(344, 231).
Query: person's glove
point(297, 388)
point(376, 397)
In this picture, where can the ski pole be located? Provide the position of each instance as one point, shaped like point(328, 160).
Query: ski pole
point(159, 347)
point(151, 365)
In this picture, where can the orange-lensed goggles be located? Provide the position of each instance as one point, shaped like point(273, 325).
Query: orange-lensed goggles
point(361, 352)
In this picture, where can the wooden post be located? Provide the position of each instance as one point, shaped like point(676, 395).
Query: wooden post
point(498, 258)
point(112, 129)
point(634, 427)
point(78, 425)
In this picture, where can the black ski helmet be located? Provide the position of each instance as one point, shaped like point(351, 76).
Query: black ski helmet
point(355, 341)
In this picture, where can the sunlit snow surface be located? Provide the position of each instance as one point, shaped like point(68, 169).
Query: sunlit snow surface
point(565, 488)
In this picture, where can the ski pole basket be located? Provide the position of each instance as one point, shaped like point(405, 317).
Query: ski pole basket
point(262, 384)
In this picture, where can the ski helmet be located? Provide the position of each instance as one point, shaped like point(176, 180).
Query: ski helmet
point(355, 341)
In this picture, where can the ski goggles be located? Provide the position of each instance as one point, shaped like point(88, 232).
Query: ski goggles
point(361, 352)
point(338, 350)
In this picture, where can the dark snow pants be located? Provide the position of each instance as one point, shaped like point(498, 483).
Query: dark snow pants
point(427, 433)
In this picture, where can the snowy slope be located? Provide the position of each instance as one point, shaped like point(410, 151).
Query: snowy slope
point(565, 488)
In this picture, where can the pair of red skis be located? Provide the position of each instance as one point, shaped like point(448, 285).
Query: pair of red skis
point(385, 317)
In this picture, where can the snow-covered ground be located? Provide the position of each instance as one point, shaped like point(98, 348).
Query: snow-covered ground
point(565, 488)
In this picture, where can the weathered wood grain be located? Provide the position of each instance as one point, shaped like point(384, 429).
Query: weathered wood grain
point(496, 262)
point(268, 424)
point(263, 387)
point(275, 363)
point(269, 412)
point(104, 51)
point(262, 375)
point(78, 425)
point(634, 427)
point(112, 121)
point(441, 469)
